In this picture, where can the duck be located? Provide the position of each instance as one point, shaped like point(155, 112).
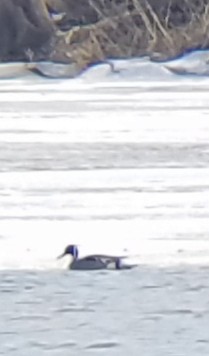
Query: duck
point(93, 262)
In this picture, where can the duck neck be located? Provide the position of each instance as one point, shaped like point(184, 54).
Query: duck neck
point(74, 257)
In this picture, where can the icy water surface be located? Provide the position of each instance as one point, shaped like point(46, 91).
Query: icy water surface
point(116, 166)
point(149, 311)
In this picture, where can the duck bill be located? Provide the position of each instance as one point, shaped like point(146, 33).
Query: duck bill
point(61, 256)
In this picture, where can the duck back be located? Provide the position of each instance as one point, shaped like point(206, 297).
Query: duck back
point(88, 264)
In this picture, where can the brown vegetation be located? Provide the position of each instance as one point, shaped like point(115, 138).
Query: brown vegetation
point(94, 30)
point(127, 28)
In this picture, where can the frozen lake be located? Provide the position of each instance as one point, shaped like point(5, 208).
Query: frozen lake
point(115, 163)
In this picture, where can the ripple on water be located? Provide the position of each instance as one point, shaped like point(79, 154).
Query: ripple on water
point(74, 309)
point(103, 345)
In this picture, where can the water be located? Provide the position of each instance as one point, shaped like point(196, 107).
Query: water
point(149, 311)
point(117, 164)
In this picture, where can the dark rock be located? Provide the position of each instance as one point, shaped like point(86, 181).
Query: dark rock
point(24, 26)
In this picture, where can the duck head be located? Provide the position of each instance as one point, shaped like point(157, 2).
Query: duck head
point(70, 250)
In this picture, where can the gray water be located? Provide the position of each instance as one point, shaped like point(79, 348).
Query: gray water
point(148, 311)
point(130, 172)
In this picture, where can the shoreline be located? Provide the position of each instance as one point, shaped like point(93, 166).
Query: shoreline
point(81, 36)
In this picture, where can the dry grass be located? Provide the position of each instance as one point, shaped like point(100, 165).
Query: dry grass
point(126, 31)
